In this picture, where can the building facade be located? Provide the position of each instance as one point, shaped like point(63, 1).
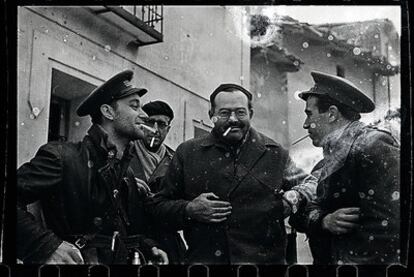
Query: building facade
point(367, 53)
point(180, 54)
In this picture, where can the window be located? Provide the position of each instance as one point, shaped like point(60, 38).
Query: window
point(201, 128)
point(340, 71)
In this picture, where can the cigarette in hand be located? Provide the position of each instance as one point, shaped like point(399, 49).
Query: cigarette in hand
point(152, 141)
point(299, 140)
point(148, 128)
point(227, 132)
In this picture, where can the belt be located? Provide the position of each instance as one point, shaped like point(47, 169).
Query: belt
point(101, 241)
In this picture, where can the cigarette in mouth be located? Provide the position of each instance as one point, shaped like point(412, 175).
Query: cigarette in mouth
point(299, 140)
point(148, 128)
point(152, 141)
point(227, 132)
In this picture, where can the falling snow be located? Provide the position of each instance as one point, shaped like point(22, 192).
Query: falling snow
point(395, 195)
point(357, 51)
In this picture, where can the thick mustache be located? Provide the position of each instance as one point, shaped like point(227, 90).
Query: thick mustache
point(235, 125)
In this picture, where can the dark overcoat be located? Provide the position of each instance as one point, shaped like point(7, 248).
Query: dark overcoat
point(362, 171)
point(75, 184)
point(250, 180)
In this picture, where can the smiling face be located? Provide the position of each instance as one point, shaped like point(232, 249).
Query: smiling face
point(316, 123)
point(128, 116)
point(161, 124)
point(231, 110)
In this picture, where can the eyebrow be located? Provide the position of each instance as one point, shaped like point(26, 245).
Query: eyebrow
point(238, 108)
point(134, 100)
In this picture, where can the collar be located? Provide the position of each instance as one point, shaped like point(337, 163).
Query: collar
point(329, 141)
point(340, 148)
point(101, 138)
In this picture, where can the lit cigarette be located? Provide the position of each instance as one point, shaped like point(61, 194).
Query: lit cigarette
point(148, 128)
point(152, 141)
point(300, 139)
point(227, 132)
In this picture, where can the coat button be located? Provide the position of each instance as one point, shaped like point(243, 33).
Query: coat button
point(115, 192)
point(217, 253)
point(97, 221)
point(111, 154)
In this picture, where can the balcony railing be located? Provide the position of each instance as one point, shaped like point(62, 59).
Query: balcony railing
point(145, 23)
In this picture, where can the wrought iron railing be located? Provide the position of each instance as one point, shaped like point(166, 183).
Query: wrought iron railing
point(151, 15)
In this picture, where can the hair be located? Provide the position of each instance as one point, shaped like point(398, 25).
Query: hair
point(231, 89)
point(96, 117)
point(324, 102)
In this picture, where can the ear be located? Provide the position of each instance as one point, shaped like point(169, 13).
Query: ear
point(333, 113)
point(210, 113)
point(107, 111)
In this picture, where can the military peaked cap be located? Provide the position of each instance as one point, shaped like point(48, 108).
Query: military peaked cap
point(341, 90)
point(117, 87)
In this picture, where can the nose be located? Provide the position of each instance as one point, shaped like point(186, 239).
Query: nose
point(157, 130)
point(142, 114)
point(233, 116)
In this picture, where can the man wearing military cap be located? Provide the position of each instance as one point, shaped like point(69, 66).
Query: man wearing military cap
point(355, 218)
point(231, 190)
point(92, 203)
point(150, 162)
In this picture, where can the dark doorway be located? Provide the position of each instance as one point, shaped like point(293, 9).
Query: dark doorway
point(67, 92)
point(58, 121)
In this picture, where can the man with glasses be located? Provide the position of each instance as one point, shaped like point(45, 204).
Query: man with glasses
point(231, 190)
point(150, 162)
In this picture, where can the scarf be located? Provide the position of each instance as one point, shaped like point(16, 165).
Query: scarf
point(149, 160)
point(337, 148)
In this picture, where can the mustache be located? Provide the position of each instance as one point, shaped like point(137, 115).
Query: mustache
point(236, 124)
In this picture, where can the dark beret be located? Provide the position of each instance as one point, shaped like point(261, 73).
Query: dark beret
point(228, 87)
point(158, 108)
point(117, 87)
point(341, 90)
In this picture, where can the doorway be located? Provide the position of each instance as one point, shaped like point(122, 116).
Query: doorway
point(67, 91)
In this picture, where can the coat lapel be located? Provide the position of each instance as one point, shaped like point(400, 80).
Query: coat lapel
point(250, 154)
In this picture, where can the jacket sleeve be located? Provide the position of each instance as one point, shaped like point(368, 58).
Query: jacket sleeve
point(378, 157)
point(35, 180)
point(168, 206)
point(310, 214)
point(309, 218)
point(295, 178)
